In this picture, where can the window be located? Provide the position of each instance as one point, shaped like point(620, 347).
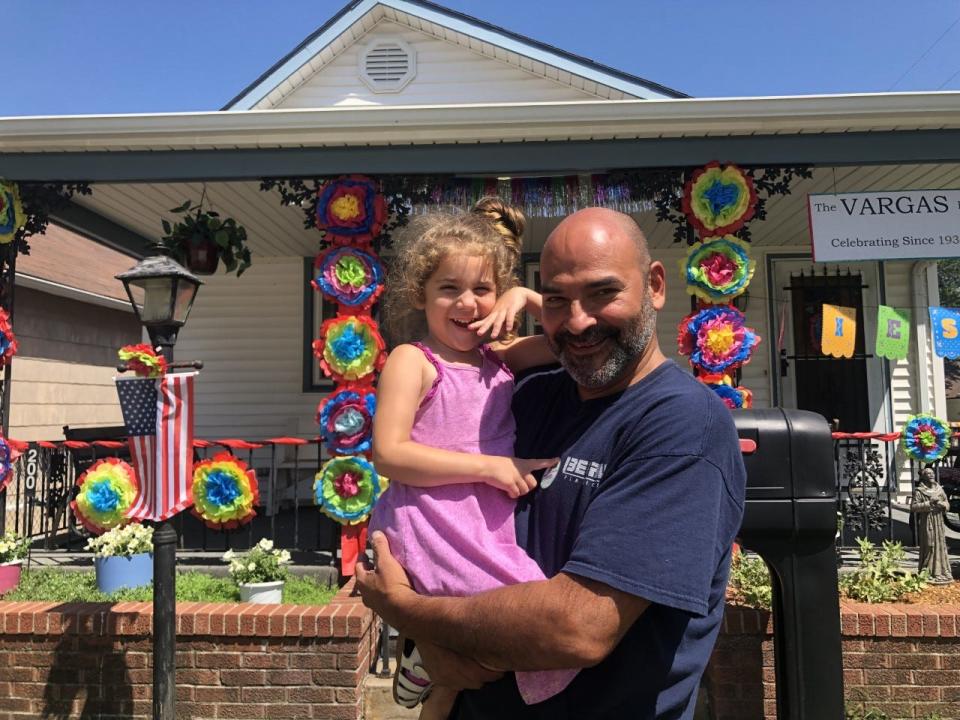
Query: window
point(315, 312)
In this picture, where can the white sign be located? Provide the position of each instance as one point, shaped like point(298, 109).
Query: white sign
point(893, 225)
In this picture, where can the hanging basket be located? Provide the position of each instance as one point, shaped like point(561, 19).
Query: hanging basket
point(203, 257)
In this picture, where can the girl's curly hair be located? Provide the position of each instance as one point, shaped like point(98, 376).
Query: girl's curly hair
point(491, 230)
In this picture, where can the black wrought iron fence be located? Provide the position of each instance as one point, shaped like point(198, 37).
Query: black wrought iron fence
point(45, 475)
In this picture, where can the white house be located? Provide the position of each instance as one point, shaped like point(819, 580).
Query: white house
point(408, 87)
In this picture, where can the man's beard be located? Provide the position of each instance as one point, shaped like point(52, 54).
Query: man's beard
point(629, 343)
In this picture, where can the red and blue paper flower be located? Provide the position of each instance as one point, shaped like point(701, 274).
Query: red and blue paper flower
point(350, 277)
point(716, 338)
point(225, 492)
point(346, 420)
point(351, 210)
point(12, 217)
point(719, 200)
point(925, 438)
point(347, 488)
point(9, 453)
point(718, 269)
point(143, 360)
point(8, 341)
point(350, 348)
point(734, 397)
point(107, 491)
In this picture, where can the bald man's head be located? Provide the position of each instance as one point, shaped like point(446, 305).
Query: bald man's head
point(601, 225)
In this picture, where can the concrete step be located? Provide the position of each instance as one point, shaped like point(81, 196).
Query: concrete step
point(378, 701)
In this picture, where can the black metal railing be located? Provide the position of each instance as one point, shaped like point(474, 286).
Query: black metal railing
point(44, 482)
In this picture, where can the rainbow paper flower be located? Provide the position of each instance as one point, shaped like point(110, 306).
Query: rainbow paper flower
point(346, 420)
point(719, 200)
point(347, 488)
point(225, 492)
point(143, 360)
point(734, 398)
point(348, 276)
point(8, 341)
point(107, 491)
point(925, 438)
point(351, 210)
point(12, 217)
point(350, 348)
point(716, 338)
point(718, 269)
point(8, 456)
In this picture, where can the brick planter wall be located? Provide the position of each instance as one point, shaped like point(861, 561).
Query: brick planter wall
point(87, 660)
point(903, 660)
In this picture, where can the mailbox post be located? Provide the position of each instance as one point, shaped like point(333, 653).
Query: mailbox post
point(790, 520)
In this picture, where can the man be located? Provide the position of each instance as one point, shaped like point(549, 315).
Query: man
point(633, 528)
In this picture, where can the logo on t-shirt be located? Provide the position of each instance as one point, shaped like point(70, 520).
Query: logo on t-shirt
point(549, 476)
point(582, 471)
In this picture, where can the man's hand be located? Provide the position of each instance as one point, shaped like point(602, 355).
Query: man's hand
point(385, 587)
point(453, 670)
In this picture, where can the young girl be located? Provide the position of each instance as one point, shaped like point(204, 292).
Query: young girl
point(443, 432)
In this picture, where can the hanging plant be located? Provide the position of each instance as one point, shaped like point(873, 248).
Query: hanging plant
point(201, 239)
point(716, 338)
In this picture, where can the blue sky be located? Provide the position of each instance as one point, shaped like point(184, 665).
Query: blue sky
point(107, 56)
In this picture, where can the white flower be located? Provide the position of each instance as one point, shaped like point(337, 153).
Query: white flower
point(265, 544)
point(284, 556)
point(251, 566)
point(228, 555)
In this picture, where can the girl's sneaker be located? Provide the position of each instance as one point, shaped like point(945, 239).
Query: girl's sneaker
point(411, 684)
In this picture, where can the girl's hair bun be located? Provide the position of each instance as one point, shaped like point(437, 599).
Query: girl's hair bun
point(506, 219)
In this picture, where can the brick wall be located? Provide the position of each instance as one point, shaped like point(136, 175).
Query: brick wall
point(903, 660)
point(233, 660)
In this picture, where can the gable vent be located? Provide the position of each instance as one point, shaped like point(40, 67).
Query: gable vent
point(387, 65)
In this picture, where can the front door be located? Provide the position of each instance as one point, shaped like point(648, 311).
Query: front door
point(846, 391)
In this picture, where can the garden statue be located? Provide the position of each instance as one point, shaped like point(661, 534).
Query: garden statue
point(930, 505)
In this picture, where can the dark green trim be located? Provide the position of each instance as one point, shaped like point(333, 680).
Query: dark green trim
point(921, 146)
point(310, 327)
point(106, 232)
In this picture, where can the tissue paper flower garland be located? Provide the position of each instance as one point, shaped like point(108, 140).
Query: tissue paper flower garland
point(12, 217)
point(225, 492)
point(925, 438)
point(350, 277)
point(346, 420)
point(735, 398)
point(8, 456)
point(350, 348)
point(107, 491)
point(346, 489)
point(142, 360)
point(718, 269)
point(716, 338)
point(351, 210)
point(719, 200)
point(8, 341)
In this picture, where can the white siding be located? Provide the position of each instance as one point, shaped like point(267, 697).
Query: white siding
point(446, 74)
point(248, 332)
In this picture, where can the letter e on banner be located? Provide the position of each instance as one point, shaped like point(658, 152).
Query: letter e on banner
point(839, 334)
point(945, 323)
point(893, 332)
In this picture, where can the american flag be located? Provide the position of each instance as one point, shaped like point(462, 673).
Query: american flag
point(158, 415)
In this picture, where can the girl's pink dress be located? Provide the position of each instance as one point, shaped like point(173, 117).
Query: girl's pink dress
point(460, 539)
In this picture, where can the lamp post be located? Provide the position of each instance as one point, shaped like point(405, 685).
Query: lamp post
point(168, 290)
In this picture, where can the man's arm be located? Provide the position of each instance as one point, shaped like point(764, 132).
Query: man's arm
point(564, 622)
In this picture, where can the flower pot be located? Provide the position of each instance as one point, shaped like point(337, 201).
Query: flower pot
point(9, 575)
point(117, 573)
point(262, 593)
point(203, 257)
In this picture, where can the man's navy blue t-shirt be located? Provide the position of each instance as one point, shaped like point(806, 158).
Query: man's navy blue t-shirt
point(647, 499)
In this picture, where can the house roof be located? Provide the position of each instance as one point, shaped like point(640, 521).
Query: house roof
point(455, 27)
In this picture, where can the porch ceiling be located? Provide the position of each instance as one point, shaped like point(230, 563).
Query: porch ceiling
point(275, 230)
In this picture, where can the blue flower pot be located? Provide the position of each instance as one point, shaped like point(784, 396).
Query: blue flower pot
point(117, 573)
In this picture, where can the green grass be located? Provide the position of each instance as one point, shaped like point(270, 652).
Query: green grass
point(54, 585)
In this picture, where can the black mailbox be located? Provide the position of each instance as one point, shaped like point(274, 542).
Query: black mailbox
point(790, 520)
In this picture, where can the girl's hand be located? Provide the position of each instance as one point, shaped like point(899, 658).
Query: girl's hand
point(504, 314)
point(515, 475)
